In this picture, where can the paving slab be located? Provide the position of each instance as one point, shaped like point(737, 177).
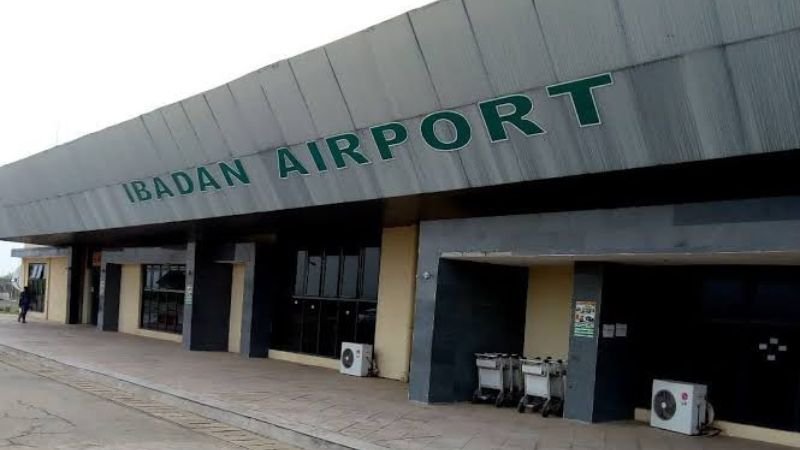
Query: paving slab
point(319, 407)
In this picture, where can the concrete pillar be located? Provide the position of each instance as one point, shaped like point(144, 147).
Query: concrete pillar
point(477, 308)
point(77, 264)
point(108, 309)
point(601, 369)
point(206, 309)
point(582, 364)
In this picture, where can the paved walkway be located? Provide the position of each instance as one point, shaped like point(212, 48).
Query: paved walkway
point(331, 410)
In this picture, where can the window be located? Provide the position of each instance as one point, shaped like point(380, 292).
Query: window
point(37, 282)
point(334, 300)
point(163, 288)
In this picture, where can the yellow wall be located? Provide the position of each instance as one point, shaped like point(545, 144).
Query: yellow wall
point(55, 301)
point(57, 290)
point(237, 301)
point(549, 311)
point(130, 298)
point(308, 360)
point(396, 287)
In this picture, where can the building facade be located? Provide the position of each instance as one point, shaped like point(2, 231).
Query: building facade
point(462, 178)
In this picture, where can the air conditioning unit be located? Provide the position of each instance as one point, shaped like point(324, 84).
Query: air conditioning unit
point(678, 407)
point(356, 359)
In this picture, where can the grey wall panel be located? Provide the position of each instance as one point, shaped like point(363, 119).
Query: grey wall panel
point(555, 151)
point(619, 142)
point(484, 163)
point(583, 37)
point(205, 127)
point(293, 191)
point(360, 80)
point(666, 112)
point(185, 136)
point(255, 113)
point(321, 92)
point(511, 43)
point(437, 171)
point(287, 102)
point(745, 19)
point(263, 186)
point(657, 29)
point(406, 80)
point(394, 177)
point(156, 127)
point(767, 83)
point(230, 122)
point(713, 103)
point(451, 53)
point(136, 143)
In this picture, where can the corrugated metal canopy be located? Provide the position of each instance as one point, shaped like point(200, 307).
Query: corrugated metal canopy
point(693, 80)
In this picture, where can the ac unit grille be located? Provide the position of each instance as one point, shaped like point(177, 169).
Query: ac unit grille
point(348, 358)
point(664, 404)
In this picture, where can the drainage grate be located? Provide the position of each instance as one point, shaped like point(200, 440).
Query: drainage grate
point(224, 432)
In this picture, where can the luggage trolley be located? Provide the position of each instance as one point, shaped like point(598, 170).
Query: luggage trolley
point(544, 386)
point(499, 378)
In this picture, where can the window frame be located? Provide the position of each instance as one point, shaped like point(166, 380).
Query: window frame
point(163, 303)
point(323, 315)
point(37, 271)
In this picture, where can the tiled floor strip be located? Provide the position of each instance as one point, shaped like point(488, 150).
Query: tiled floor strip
point(69, 376)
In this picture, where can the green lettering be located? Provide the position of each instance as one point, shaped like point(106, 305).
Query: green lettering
point(183, 182)
point(140, 189)
point(351, 143)
point(463, 132)
point(287, 163)
point(398, 133)
point(206, 180)
point(161, 188)
point(128, 193)
point(230, 173)
point(582, 96)
point(316, 155)
point(521, 105)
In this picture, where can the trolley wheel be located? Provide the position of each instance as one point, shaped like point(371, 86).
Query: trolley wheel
point(521, 404)
point(500, 400)
point(558, 409)
point(476, 396)
point(546, 409)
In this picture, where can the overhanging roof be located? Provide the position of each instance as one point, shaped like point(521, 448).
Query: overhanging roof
point(692, 81)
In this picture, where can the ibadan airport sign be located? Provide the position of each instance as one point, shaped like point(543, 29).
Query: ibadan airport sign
point(498, 116)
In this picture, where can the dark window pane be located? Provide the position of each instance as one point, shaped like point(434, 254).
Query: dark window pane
point(777, 301)
point(372, 259)
point(162, 297)
point(314, 274)
point(365, 326)
point(723, 298)
point(330, 286)
point(300, 273)
point(347, 323)
point(310, 326)
point(328, 327)
point(37, 281)
point(350, 275)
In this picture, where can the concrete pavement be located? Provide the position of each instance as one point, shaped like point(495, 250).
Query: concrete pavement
point(39, 413)
point(314, 408)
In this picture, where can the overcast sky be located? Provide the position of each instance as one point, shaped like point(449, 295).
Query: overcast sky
point(69, 68)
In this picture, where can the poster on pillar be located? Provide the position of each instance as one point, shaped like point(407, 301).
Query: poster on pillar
point(584, 321)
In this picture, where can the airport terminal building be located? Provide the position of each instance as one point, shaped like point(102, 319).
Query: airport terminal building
point(455, 180)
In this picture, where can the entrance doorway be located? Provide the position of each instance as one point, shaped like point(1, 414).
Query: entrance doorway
point(94, 292)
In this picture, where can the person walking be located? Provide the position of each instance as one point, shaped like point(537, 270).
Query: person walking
point(24, 304)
